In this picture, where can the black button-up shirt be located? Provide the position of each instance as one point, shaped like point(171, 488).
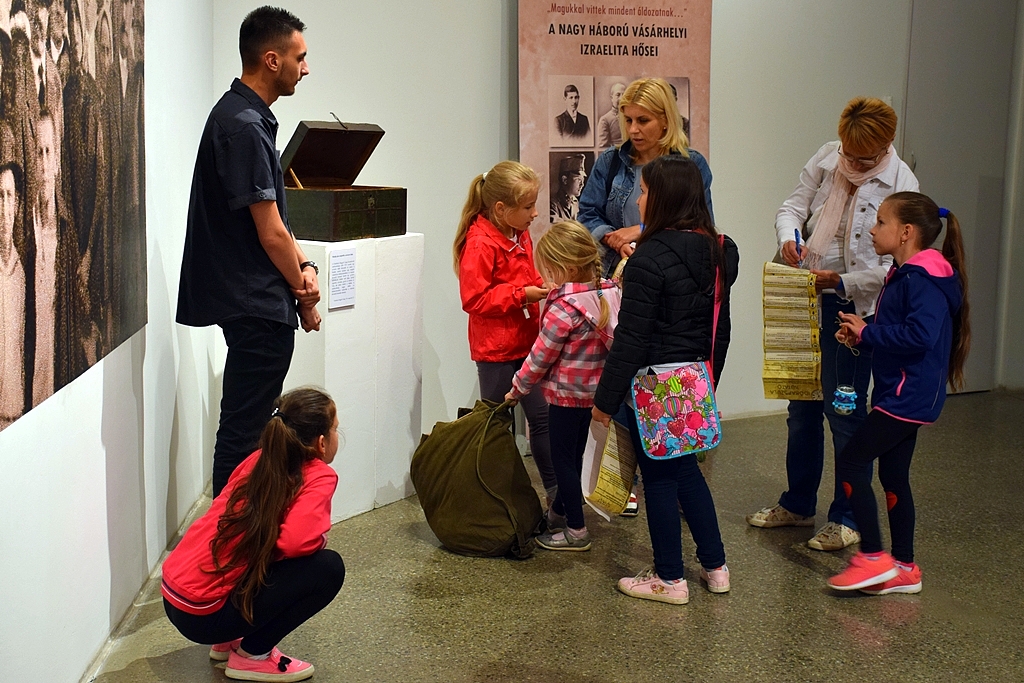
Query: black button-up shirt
point(225, 271)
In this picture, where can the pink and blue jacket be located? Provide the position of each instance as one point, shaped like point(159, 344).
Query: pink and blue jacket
point(569, 354)
point(911, 337)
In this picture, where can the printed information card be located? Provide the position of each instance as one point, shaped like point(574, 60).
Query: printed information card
point(341, 279)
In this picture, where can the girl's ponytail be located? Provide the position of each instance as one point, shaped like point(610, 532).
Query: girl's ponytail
point(474, 205)
point(953, 251)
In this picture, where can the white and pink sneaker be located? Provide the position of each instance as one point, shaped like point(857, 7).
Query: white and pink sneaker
point(648, 586)
point(717, 580)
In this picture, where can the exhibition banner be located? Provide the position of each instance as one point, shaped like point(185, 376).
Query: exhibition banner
point(576, 59)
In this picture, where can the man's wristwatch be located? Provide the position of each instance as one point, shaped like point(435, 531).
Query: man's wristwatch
point(311, 264)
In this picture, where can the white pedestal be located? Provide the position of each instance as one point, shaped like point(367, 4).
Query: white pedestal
point(369, 359)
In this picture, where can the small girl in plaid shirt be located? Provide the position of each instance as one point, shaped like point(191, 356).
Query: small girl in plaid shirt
point(576, 331)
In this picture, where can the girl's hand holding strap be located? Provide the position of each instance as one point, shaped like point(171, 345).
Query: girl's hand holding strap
point(850, 329)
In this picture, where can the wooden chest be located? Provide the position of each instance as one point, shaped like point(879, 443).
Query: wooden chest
point(320, 164)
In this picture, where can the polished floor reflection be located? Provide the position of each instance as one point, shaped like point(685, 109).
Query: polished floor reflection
point(411, 611)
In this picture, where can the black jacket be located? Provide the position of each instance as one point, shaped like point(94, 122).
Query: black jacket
point(667, 310)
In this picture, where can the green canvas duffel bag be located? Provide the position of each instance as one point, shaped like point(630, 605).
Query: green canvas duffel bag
point(473, 486)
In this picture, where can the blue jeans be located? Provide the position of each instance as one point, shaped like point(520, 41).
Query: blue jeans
point(805, 453)
point(668, 485)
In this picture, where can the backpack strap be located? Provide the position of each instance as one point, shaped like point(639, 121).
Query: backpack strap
point(523, 539)
point(718, 307)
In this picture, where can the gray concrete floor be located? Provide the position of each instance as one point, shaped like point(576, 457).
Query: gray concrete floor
point(412, 611)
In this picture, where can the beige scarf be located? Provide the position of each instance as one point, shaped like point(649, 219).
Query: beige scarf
point(845, 182)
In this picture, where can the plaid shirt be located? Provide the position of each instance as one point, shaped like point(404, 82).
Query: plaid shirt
point(568, 356)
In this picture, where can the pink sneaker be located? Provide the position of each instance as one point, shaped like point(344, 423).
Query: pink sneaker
point(907, 581)
point(276, 667)
point(716, 579)
point(220, 651)
point(647, 586)
point(864, 571)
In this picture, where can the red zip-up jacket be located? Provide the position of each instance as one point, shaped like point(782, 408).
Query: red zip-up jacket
point(188, 581)
point(494, 272)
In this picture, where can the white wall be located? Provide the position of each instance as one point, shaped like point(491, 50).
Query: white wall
point(1010, 305)
point(95, 480)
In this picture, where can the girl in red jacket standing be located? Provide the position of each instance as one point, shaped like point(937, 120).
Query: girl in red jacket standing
point(255, 566)
point(500, 288)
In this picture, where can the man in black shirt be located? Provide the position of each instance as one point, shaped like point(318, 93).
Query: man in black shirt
point(242, 268)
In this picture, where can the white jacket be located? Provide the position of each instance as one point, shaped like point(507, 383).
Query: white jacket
point(865, 270)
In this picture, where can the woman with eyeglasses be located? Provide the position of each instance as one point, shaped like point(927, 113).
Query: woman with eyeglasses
point(825, 226)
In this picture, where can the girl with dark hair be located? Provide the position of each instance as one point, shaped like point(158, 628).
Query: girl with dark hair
point(919, 338)
point(255, 566)
point(679, 274)
point(650, 125)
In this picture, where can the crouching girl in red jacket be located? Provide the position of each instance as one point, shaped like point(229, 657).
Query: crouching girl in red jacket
point(500, 288)
point(255, 566)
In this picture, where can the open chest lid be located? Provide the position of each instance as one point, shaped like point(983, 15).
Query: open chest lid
point(328, 153)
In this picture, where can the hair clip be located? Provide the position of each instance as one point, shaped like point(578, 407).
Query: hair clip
point(943, 212)
point(276, 413)
point(484, 176)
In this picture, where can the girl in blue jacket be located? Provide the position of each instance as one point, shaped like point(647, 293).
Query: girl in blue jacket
point(919, 339)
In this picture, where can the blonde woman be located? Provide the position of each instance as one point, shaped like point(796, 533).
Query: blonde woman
point(651, 127)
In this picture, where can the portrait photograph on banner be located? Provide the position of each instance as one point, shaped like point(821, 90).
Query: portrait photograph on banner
point(72, 191)
point(575, 63)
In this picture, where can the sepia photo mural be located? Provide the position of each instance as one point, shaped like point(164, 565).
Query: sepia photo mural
point(72, 191)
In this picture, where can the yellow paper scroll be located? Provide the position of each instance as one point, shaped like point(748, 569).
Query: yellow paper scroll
point(609, 465)
point(792, 350)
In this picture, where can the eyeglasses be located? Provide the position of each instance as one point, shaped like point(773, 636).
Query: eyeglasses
point(864, 161)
